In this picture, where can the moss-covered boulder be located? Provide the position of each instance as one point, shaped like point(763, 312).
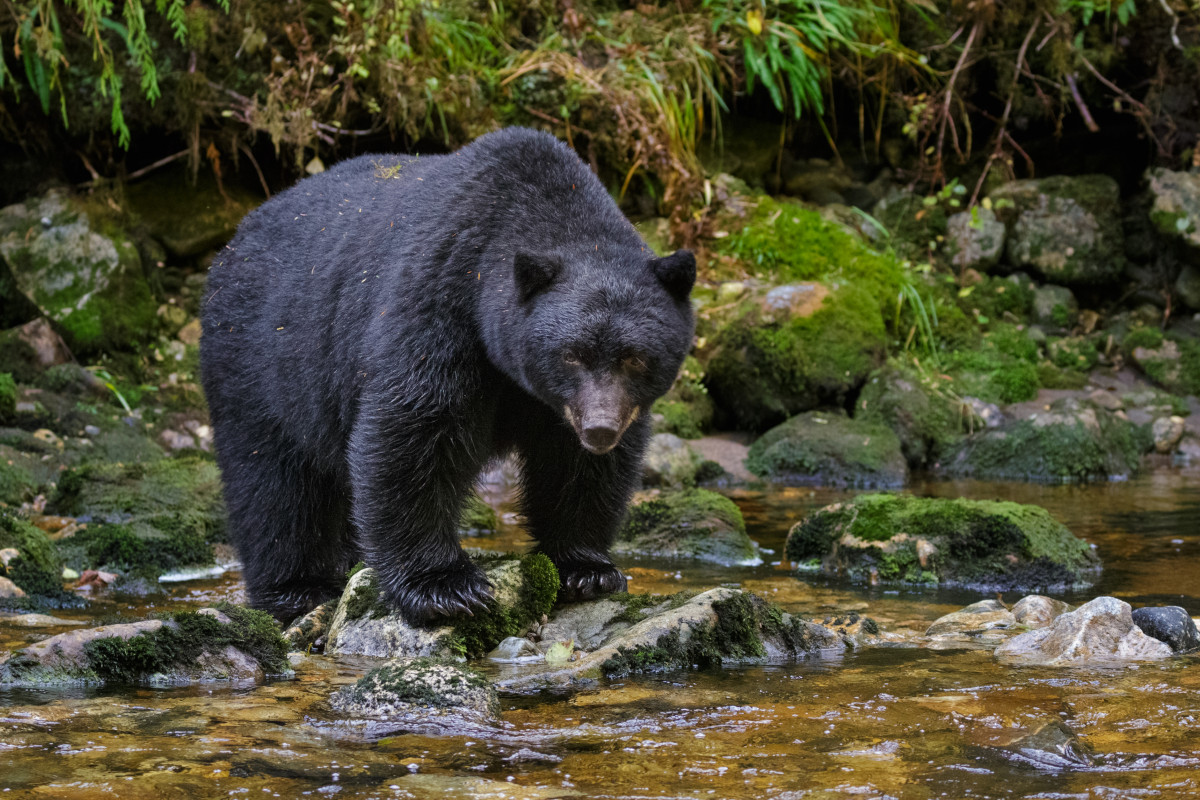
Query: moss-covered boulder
point(978, 544)
point(80, 269)
point(627, 634)
point(1068, 228)
point(792, 349)
point(814, 337)
point(826, 448)
point(523, 589)
point(421, 690)
point(223, 643)
point(917, 407)
point(1172, 363)
point(1073, 441)
point(143, 519)
point(37, 567)
point(694, 523)
point(686, 410)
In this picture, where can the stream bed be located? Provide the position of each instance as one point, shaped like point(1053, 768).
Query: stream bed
point(904, 721)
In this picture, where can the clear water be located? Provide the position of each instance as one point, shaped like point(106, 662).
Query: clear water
point(898, 722)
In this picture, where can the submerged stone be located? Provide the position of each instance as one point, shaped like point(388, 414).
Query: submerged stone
point(1072, 441)
point(984, 545)
point(420, 689)
point(694, 523)
point(1169, 624)
point(1098, 632)
point(829, 449)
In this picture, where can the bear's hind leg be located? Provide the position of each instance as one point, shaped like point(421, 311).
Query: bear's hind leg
point(290, 524)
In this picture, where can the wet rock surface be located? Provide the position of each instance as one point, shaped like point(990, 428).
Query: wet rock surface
point(419, 689)
point(1169, 624)
point(981, 544)
point(1098, 632)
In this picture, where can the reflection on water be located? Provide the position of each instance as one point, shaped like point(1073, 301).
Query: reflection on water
point(881, 722)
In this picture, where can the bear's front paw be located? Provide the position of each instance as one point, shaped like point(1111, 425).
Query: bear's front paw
point(588, 580)
point(428, 598)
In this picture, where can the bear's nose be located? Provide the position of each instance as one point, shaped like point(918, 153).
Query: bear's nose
point(600, 438)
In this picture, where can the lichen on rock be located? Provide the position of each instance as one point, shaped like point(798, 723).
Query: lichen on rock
point(419, 688)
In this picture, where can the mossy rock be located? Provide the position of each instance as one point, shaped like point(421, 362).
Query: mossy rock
point(917, 408)
point(419, 687)
point(694, 523)
point(1068, 228)
point(38, 568)
point(686, 410)
point(226, 642)
point(1071, 442)
point(80, 269)
point(795, 348)
point(478, 518)
point(143, 518)
point(1002, 369)
point(1175, 212)
point(524, 588)
point(829, 449)
point(189, 217)
point(983, 545)
point(1173, 362)
point(16, 480)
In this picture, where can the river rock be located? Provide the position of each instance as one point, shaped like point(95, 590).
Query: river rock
point(975, 239)
point(1167, 432)
point(78, 269)
point(1097, 632)
point(1068, 228)
point(985, 545)
point(228, 643)
point(421, 690)
point(694, 523)
point(515, 650)
point(9, 590)
point(670, 462)
point(1169, 624)
point(641, 633)
point(1038, 611)
point(1048, 744)
point(1073, 441)
point(829, 449)
point(978, 621)
point(524, 588)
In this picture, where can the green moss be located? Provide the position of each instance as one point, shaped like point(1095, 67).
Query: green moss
point(999, 299)
point(827, 448)
point(161, 499)
point(918, 408)
point(15, 482)
point(38, 568)
point(1060, 315)
point(366, 599)
point(187, 634)
point(1073, 445)
point(743, 623)
point(478, 635)
point(968, 542)
point(1052, 377)
point(763, 370)
point(8, 397)
point(1149, 338)
point(118, 547)
point(1015, 382)
point(686, 409)
point(1002, 370)
point(693, 523)
point(478, 518)
point(1076, 353)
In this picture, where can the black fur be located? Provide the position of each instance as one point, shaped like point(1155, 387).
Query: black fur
point(375, 334)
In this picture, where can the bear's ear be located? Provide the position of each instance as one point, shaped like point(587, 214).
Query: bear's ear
point(677, 272)
point(534, 273)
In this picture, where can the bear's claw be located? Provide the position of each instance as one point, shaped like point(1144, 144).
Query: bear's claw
point(429, 598)
point(588, 581)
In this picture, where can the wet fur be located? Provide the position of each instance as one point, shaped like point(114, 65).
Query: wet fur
point(368, 347)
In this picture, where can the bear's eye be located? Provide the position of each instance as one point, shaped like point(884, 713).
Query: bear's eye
point(571, 360)
point(634, 363)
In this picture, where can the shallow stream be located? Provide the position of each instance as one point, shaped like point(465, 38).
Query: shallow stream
point(905, 722)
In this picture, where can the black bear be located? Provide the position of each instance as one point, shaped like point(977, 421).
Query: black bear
point(378, 332)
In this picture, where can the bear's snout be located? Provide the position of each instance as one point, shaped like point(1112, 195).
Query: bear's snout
point(601, 413)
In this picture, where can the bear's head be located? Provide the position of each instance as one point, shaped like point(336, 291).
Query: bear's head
point(601, 339)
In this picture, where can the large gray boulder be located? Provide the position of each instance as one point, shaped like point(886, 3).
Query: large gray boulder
point(1098, 632)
